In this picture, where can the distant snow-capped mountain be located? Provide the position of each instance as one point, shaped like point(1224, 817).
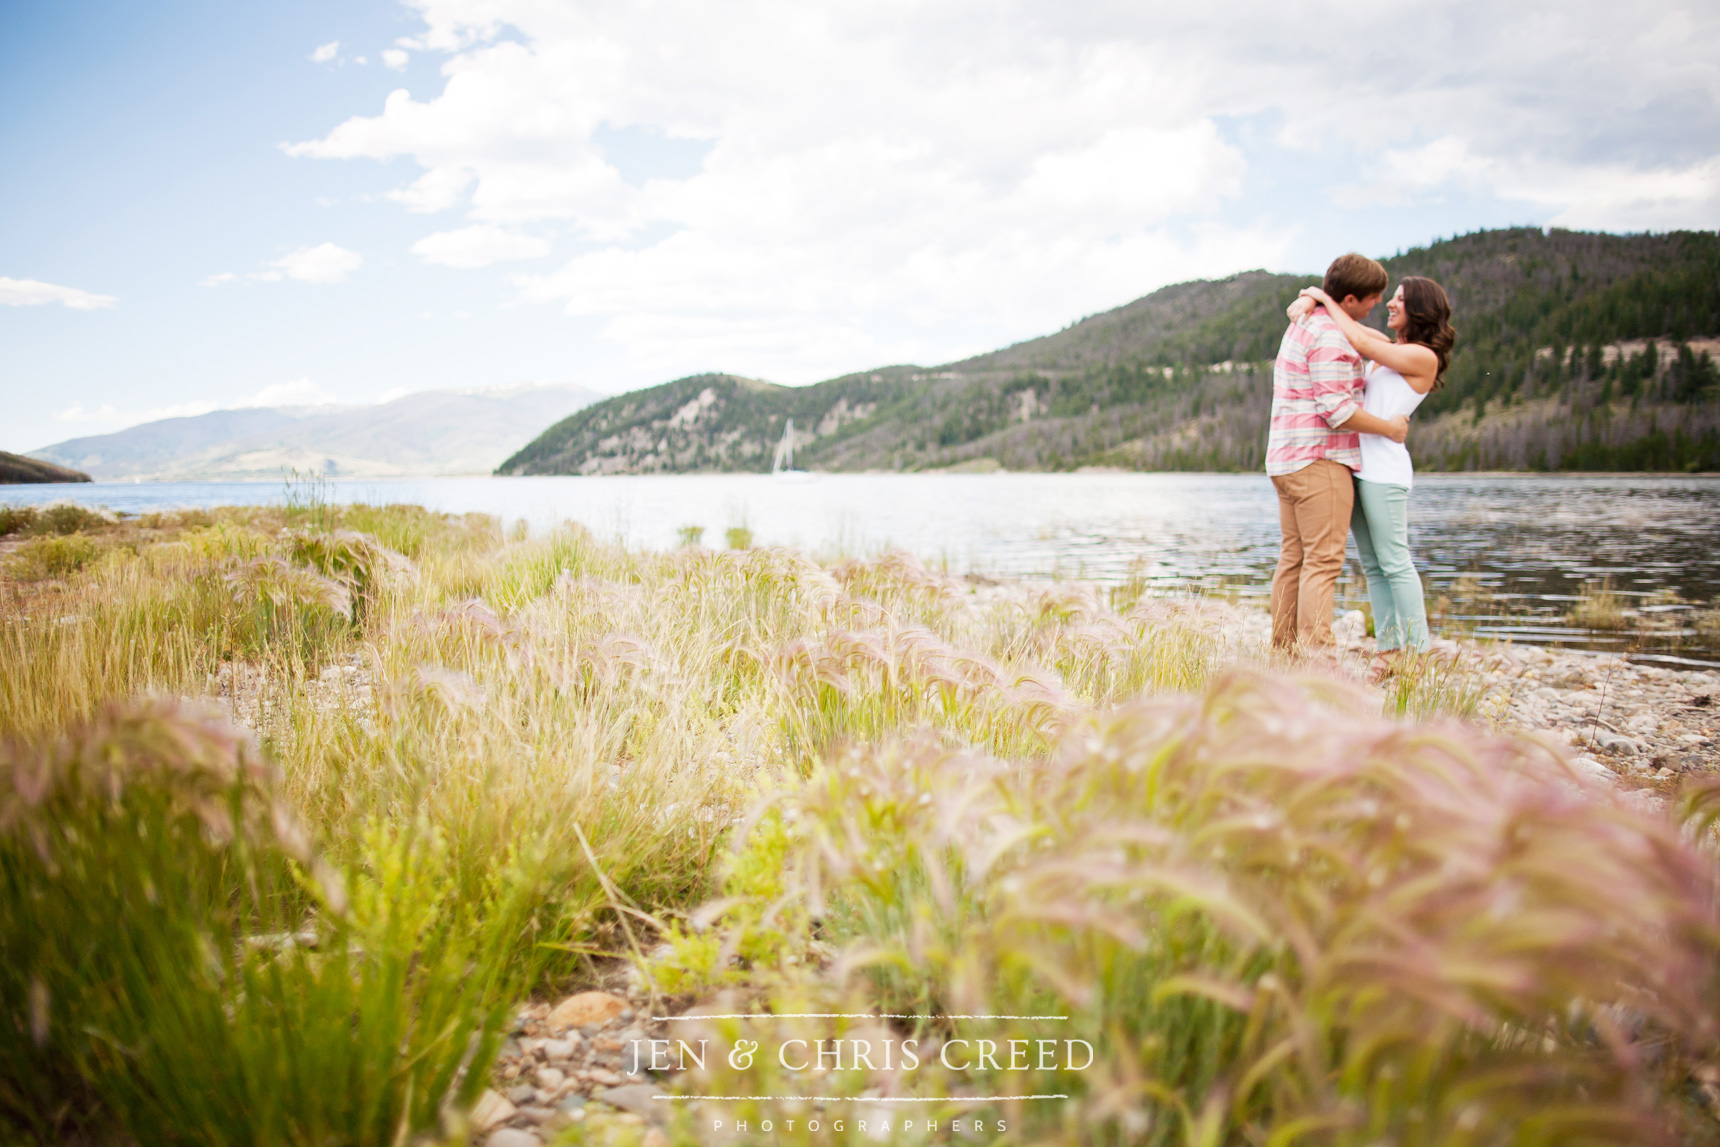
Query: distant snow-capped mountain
point(428, 433)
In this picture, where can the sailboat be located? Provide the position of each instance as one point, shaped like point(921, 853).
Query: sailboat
point(782, 463)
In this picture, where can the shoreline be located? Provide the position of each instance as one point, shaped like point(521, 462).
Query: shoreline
point(959, 470)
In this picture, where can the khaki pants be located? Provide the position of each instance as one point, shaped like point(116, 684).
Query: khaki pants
point(1314, 507)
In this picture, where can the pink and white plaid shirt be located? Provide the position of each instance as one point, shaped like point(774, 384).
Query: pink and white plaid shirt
point(1316, 385)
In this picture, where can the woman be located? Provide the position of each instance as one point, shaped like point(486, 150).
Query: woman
point(1400, 375)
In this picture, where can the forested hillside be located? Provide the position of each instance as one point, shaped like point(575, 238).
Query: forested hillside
point(1575, 351)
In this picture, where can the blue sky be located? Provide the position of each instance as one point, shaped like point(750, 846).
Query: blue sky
point(211, 205)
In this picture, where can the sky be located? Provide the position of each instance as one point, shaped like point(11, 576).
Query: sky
point(212, 204)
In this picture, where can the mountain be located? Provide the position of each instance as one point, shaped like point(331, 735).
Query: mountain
point(1181, 379)
point(16, 469)
point(431, 432)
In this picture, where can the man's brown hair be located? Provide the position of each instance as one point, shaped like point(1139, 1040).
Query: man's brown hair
point(1356, 275)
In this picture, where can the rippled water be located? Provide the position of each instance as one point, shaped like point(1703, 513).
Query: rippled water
point(1510, 552)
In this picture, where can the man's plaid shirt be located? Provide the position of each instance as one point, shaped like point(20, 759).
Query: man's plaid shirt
point(1316, 385)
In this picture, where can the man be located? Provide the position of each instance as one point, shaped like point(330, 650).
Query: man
point(1313, 449)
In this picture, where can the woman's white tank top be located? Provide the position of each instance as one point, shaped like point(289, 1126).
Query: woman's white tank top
point(1387, 395)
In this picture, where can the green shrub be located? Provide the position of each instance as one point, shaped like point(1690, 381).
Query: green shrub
point(53, 520)
point(69, 518)
point(51, 556)
point(752, 930)
point(16, 519)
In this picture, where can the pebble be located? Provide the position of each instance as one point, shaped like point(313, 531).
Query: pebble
point(1643, 716)
point(635, 1097)
point(524, 1093)
point(1614, 743)
point(559, 1049)
point(536, 1115)
point(491, 1109)
point(512, 1137)
point(585, 1008)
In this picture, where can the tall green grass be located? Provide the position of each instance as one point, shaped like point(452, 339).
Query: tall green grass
point(178, 963)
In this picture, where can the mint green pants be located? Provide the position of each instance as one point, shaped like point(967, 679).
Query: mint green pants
point(1380, 522)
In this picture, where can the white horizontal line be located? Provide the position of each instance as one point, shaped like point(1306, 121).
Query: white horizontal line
point(840, 1016)
point(865, 1099)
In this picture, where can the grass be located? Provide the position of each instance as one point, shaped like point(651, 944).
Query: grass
point(1279, 917)
point(483, 763)
point(1599, 606)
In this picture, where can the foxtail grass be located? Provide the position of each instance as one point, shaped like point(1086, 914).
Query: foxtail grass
point(518, 757)
point(1277, 917)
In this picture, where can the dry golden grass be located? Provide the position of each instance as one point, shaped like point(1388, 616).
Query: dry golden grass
point(1599, 606)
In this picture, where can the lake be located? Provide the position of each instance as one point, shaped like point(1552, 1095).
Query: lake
point(1510, 552)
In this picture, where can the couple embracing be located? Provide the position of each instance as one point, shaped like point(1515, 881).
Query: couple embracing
point(1336, 451)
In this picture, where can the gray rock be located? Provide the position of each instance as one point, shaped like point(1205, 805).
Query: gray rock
point(512, 1137)
point(635, 1097)
point(572, 1102)
point(1616, 743)
point(524, 1093)
point(1592, 769)
point(557, 1049)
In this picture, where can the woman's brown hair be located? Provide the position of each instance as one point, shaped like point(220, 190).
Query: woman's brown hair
point(1427, 320)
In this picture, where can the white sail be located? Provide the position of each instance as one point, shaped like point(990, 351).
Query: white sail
point(782, 462)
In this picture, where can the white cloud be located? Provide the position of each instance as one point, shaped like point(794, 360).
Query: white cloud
point(109, 414)
point(33, 293)
point(911, 181)
point(325, 52)
point(478, 246)
point(299, 392)
point(324, 263)
point(436, 190)
point(394, 59)
point(76, 412)
point(1604, 196)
